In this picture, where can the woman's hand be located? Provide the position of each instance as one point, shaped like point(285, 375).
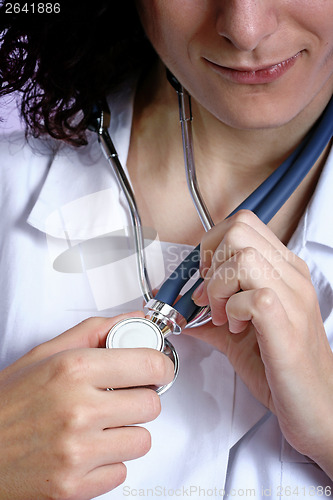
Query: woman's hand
point(267, 321)
point(62, 434)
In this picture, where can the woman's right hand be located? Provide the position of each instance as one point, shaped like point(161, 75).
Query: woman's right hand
point(62, 434)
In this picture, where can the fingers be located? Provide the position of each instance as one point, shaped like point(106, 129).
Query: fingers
point(110, 368)
point(92, 463)
point(99, 481)
point(111, 446)
point(246, 270)
point(118, 445)
point(274, 335)
point(264, 309)
point(242, 230)
point(91, 332)
point(134, 406)
point(244, 254)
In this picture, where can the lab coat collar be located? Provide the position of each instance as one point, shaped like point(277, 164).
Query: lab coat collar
point(313, 242)
point(315, 225)
point(73, 167)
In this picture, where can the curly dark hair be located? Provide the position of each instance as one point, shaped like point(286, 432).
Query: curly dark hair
point(62, 63)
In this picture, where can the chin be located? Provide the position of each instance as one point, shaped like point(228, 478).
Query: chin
point(256, 123)
point(257, 116)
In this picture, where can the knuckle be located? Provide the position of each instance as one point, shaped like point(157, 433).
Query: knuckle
point(303, 267)
point(69, 367)
point(38, 353)
point(215, 287)
point(91, 322)
point(68, 454)
point(245, 216)
point(249, 252)
point(264, 298)
point(75, 417)
point(63, 487)
point(236, 233)
point(95, 325)
point(247, 255)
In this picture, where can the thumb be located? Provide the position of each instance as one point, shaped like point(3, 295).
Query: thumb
point(92, 332)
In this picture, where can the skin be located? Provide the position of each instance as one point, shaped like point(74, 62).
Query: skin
point(70, 434)
point(266, 317)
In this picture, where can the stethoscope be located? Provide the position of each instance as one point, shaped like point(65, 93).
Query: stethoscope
point(165, 315)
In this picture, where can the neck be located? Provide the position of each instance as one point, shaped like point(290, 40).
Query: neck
point(228, 161)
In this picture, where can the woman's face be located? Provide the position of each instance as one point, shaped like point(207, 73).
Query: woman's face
point(251, 63)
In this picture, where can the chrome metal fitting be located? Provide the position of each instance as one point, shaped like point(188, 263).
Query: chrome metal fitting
point(165, 317)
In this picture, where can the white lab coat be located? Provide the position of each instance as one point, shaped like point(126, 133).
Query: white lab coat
point(65, 256)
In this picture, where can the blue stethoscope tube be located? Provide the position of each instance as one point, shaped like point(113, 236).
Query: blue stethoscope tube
point(265, 202)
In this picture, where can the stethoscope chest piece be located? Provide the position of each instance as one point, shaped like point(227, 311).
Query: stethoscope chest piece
point(142, 332)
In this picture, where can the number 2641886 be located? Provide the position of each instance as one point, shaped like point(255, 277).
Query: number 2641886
point(32, 8)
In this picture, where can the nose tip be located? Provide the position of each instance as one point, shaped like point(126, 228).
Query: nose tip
point(245, 23)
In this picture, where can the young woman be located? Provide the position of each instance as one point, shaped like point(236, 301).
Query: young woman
point(251, 409)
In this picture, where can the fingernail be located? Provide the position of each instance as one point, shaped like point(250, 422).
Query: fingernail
point(198, 292)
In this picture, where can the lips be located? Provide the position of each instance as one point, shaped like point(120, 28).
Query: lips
point(255, 76)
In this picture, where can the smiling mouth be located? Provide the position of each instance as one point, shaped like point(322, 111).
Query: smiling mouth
point(255, 76)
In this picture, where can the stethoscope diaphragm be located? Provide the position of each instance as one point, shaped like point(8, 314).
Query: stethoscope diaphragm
point(142, 332)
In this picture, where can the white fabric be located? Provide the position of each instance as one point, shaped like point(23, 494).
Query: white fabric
point(65, 255)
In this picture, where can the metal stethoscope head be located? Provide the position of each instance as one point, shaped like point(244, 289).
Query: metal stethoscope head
point(166, 313)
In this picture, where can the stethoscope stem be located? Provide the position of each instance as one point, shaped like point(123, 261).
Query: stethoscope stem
point(194, 315)
point(185, 115)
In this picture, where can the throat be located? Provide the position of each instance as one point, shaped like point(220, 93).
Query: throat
point(166, 206)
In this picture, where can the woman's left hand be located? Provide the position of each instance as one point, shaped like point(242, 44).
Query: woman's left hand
point(267, 320)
